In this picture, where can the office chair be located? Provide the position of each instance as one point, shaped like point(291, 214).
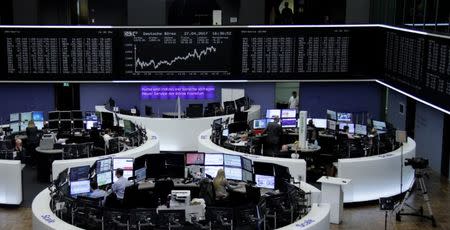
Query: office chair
point(249, 218)
point(171, 219)
point(220, 218)
point(88, 214)
point(70, 151)
point(162, 189)
point(145, 218)
point(117, 219)
point(279, 210)
point(206, 191)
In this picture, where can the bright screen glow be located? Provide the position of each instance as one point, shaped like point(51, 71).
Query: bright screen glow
point(15, 127)
point(123, 163)
point(259, 124)
point(212, 170)
point(379, 125)
point(346, 117)
point(351, 127)
point(271, 113)
point(79, 187)
point(38, 116)
point(319, 123)
point(25, 116)
point(331, 114)
point(104, 178)
point(288, 113)
point(91, 124)
point(166, 92)
point(232, 160)
point(360, 129)
point(39, 124)
point(263, 181)
point(289, 123)
point(140, 174)
point(233, 173)
point(213, 159)
point(195, 158)
point(14, 117)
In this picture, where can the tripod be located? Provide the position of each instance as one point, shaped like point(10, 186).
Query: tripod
point(419, 176)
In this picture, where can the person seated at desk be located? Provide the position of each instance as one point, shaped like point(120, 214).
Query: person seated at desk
point(274, 132)
point(345, 131)
point(19, 150)
point(97, 193)
point(221, 185)
point(106, 137)
point(311, 131)
point(119, 186)
point(32, 140)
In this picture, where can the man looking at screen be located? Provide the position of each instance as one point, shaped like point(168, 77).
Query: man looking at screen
point(119, 186)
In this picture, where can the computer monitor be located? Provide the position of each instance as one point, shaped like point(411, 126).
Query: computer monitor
point(128, 126)
point(38, 116)
point(39, 124)
point(318, 123)
point(212, 170)
point(140, 174)
point(271, 113)
point(53, 124)
point(232, 160)
point(331, 115)
point(78, 124)
point(79, 187)
point(65, 115)
point(126, 174)
point(263, 168)
point(195, 158)
point(15, 127)
point(331, 124)
point(247, 176)
point(272, 120)
point(23, 125)
point(91, 124)
point(263, 181)
point(360, 129)
point(260, 124)
point(104, 178)
point(247, 164)
point(351, 127)
point(123, 163)
point(79, 173)
point(379, 125)
point(25, 116)
point(213, 159)
point(53, 115)
point(233, 173)
point(288, 113)
point(104, 165)
point(225, 133)
point(242, 103)
point(344, 117)
point(90, 116)
point(14, 117)
point(65, 125)
point(288, 123)
point(77, 114)
point(240, 117)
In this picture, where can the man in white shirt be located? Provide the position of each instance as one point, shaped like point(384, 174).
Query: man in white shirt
point(106, 138)
point(293, 101)
point(119, 186)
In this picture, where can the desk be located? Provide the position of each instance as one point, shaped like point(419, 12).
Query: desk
point(45, 160)
point(180, 134)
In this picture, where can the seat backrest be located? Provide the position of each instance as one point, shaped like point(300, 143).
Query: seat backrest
point(207, 191)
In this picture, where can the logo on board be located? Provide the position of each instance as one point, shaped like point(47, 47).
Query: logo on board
point(48, 219)
point(305, 223)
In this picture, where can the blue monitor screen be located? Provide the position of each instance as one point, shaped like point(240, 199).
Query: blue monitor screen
point(79, 173)
point(14, 117)
point(25, 116)
point(233, 173)
point(90, 116)
point(344, 117)
point(38, 116)
point(247, 164)
point(104, 165)
point(80, 187)
point(351, 127)
point(288, 113)
point(15, 127)
point(271, 113)
point(263, 181)
point(104, 178)
point(39, 124)
point(140, 174)
point(360, 129)
point(289, 123)
point(213, 159)
point(232, 160)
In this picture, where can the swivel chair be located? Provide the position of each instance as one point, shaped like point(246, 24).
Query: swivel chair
point(220, 218)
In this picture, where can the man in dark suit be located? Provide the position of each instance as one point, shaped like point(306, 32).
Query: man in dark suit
point(274, 132)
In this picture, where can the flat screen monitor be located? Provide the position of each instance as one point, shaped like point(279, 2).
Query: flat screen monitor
point(331, 115)
point(15, 127)
point(288, 113)
point(126, 174)
point(54, 115)
point(233, 173)
point(65, 125)
point(80, 187)
point(360, 129)
point(272, 120)
point(65, 115)
point(247, 164)
point(104, 165)
point(76, 114)
point(213, 159)
point(212, 170)
point(263, 168)
point(78, 124)
point(38, 116)
point(247, 176)
point(263, 181)
point(14, 117)
point(240, 117)
point(79, 173)
point(104, 178)
point(351, 127)
point(123, 163)
point(331, 124)
point(39, 124)
point(53, 124)
point(318, 123)
point(232, 160)
point(344, 117)
point(195, 158)
point(140, 174)
point(91, 124)
point(260, 124)
point(225, 133)
point(23, 125)
point(25, 116)
point(90, 116)
point(379, 125)
point(128, 126)
point(271, 113)
point(288, 123)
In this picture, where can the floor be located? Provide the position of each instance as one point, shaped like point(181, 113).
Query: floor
point(356, 216)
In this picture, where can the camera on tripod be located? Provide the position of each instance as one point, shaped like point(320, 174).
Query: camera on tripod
point(416, 162)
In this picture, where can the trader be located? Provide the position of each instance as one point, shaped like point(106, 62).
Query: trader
point(293, 101)
point(119, 186)
point(19, 150)
point(32, 140)
point(311, 131)
point(96, 192)
point(274, 132)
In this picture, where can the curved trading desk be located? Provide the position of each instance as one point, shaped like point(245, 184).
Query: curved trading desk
point(377, 176)
point(179, 134)
point(150, 146)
